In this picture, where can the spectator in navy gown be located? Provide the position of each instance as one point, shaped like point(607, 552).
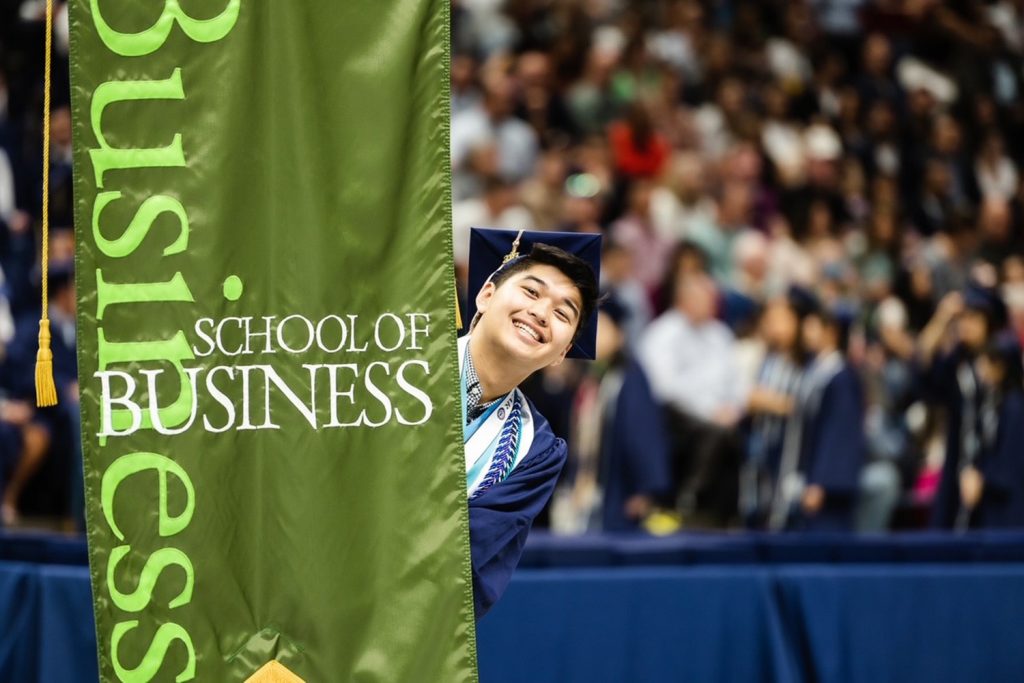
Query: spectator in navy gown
point(992, 488)
point(49, 430)
point(824, 448)
point(621, 471)
point(950, 345)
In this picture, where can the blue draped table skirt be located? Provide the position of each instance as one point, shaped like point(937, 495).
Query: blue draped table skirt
point(628, 610)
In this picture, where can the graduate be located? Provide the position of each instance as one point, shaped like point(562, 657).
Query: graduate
point(535, 304)
point(770, 401)
point(48, 430)
point(824, 443)
point(621, 469)
point(949, 347)
point(992, 486)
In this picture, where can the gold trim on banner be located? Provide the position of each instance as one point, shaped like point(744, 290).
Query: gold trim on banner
point(274, 672)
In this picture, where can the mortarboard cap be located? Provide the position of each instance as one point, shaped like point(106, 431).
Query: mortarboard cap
point(738, 309)
point(613, 308)
point(802, 300)
point(986, 300)
point(490, 250)
point(845, 314)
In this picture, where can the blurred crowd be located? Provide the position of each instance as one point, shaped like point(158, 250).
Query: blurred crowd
point(814, 220)
point(814, 253)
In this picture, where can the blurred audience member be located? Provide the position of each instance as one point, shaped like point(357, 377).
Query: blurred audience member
point(994, 171)
point(649, 251)
point(992, 486)
point(46, 430)
point(639, 150)
point(623, 291)
point(682, 199)
point(771, 401)
point(544, 193)
point(717, 237)
point(688, 356)
point(499, 207)
point(487, 140)
point(891, 392)
point(950, 345)
point(621, 468)
point(593, 99)
point(824, 444)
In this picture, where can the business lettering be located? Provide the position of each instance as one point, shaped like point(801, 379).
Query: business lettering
point(131, 475)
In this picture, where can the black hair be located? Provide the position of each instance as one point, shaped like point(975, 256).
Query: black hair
point(841, 325)
point(685, 248)
point(1007, 352)
point(989, 302)
point(60, 275)
point(573, 267)
point(802, 301)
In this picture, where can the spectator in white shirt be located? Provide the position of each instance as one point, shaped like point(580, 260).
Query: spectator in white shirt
point(690, 358)
point(994, 171)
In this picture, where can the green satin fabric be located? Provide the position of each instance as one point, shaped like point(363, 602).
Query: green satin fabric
point(316, 171)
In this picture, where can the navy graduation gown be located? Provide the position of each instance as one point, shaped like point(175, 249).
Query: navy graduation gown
point(1002, 466)
point(942, 381)
point(61, 476)
point(833, 451)
point(636, 455)
point(501, 517)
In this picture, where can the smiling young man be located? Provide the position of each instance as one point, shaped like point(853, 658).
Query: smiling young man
point(532, 311)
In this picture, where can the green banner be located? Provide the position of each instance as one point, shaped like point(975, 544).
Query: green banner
point(272, 445)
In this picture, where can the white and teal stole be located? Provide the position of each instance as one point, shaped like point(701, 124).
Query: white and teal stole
point(504, 432)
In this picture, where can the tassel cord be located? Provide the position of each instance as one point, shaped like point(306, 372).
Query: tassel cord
point(46, 391)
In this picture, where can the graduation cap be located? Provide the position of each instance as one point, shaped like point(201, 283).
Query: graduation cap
point(988, 301)
point(845, 314)
point(614, 309)
point(802, 300)
point(491, 250)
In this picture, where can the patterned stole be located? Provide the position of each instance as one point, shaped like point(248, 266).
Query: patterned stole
point(496, 441)
point(791, 481)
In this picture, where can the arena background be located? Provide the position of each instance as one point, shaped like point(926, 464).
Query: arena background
point(753, 166)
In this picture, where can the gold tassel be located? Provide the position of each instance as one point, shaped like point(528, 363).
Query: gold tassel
point(46, 390)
